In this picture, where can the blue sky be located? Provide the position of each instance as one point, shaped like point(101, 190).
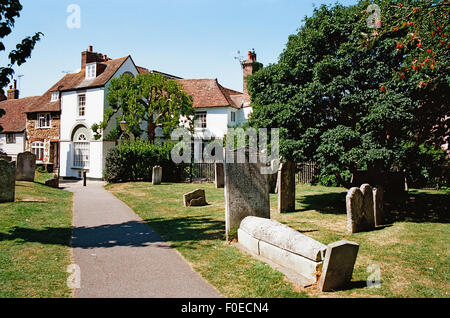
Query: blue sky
point(187, 38)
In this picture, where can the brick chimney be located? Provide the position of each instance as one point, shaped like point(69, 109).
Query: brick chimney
point(13, 92)
point(247, 67)
point(90, 56)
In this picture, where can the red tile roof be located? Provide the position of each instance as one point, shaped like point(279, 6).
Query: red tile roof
point(209, 93)
point(77, 81)
point(15, 118)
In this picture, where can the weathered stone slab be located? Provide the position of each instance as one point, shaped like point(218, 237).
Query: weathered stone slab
point(248, 241)
point(26, 166)
point(378, 206)
point(195, 198)
point(280, 235)
point(246, 193)
point(219, 173)
point(286, 190)
point(302, 265)
point(338, 265)
point(156, 175)
point(367, 206)
point(8, 181)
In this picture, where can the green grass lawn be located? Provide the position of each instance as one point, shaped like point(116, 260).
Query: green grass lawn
point(412, 251)
point(35, 234)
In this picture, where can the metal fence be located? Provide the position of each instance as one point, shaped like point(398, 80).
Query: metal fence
point(306, 172)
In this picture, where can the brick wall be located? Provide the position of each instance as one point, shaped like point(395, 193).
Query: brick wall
point(45, 135)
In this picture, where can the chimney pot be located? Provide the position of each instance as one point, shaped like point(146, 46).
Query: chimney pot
point(91, 48)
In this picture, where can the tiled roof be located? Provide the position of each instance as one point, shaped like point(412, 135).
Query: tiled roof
point(209, 93)
point(77, 81)
point(15, 118)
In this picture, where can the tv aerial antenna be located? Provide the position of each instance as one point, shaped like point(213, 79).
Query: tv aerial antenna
point(239, 57)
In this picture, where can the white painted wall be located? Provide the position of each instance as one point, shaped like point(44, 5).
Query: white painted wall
point(13, 149)
point(95, 106)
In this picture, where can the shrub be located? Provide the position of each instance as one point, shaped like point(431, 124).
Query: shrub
point(134, 161)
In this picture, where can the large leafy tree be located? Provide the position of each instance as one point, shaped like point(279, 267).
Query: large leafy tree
point(9, 11)
point(150, 99)
point(340, 94)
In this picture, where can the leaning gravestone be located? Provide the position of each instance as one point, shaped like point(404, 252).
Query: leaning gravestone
point(378, 206)
point(246, 190)
point(8, 181)
point(286, 190)
point(219, 180)
point(157, 175)
point(355, 216)
point(26, 166)
point(195, 198)
point(338, 265)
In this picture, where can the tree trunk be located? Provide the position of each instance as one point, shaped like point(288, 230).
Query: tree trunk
point(151, 131)
point(342, 182)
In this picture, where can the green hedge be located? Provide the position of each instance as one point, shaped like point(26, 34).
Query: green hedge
point(134, 161)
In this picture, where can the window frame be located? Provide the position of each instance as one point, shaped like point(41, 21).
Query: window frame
point(47, 120)
point(91, 70)
point(233, 117)
point(40, 145)
point(81, 109)
point(54, 97)
point(10, 136)
point(203, 124)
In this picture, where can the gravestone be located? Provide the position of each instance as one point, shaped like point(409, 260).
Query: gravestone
point(195, 198)
point(338, 265)
point(53, 183)
point(218, 168)
point(286, 190)
point(8, 181)
point(26, 166)
point(273, 181)
point(378, 206)
point(355, 215)
point(246, 191)
point(157, 175)
point(360, 209)
point(367, 207)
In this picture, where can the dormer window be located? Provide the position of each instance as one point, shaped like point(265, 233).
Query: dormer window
point(91, 70)
point(55, 96)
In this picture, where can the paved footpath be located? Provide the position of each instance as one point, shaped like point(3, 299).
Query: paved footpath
point(119, 255)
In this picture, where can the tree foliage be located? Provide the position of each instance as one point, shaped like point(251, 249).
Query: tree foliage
point(339, 97)
point(9, 11)
point(147, 98)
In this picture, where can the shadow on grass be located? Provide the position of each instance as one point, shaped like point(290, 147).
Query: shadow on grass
point(181, 231)
point(415, 206)
point(328, 203)
point(185, 231)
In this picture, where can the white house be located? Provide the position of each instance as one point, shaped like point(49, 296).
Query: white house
point(83, 102)
point(77, 101)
